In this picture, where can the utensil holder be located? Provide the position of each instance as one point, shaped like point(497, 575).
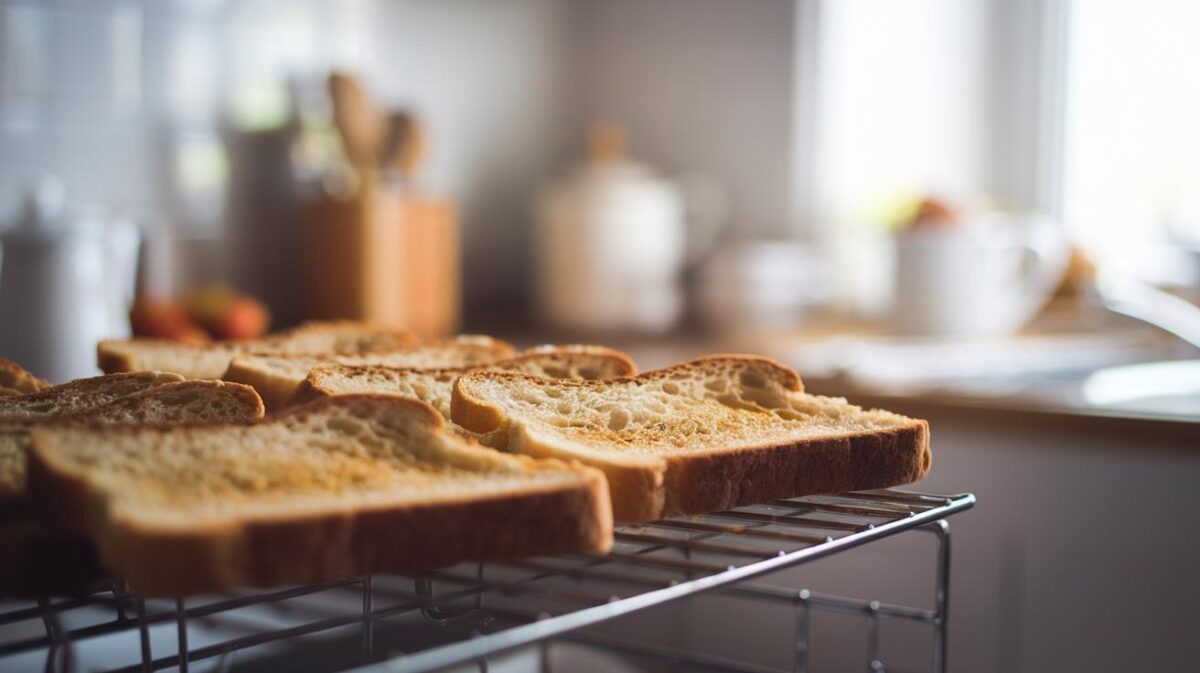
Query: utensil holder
point(383, 256)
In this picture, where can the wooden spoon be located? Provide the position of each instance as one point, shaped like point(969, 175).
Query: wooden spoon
point(404, 148)
point(358, 121)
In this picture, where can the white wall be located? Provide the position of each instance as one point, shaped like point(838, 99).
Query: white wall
point(506, 87)
point(509, 87)
point(703, 85)
point(492, 81)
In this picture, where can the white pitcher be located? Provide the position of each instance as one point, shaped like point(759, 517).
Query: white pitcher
point(66, 282)
point(613, 239)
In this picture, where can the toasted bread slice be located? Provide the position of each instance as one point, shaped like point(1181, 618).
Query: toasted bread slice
point(18, 413)
point(434, 386)
point(702, 436)
point(347, 485)
point(277, 377)
point(16, 380)
point(36, 559)
point(80, 394)
point(209, 361)
point(173, 401)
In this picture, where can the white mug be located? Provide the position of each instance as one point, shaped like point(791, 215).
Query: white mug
point(988, 277)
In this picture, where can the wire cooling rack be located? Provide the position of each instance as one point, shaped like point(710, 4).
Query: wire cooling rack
point(471, 613)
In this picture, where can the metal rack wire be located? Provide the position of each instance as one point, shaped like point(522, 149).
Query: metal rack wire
point(473, 612)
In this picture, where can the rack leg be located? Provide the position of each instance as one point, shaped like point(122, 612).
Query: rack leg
point(119, 592)
point(803, 614)
point(874, 665)
point(941, 531)
point(368, 621)
point(144, 636)
point(181, 625)
point(50, 622)
point(544, 648)
point(51, 633)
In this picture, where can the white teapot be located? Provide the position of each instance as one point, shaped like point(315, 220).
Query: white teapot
point(613, 239)
point(66, 281)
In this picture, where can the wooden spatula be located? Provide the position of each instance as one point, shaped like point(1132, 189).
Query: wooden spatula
point(404, 148)
point(359, 122)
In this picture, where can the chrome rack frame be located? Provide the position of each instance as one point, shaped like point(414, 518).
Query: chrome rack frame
point(486, 609)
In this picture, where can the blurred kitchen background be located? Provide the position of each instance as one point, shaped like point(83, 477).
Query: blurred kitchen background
point(985, 212)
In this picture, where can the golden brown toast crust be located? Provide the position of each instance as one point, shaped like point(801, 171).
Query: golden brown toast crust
point(411, 539)
point(36, 559)
point(16, 380)
point(114, 356)
point(311, 546)
point(621, 364)
point(860, 461)
point(695, 482)
point(577, 362)
point(81, 394)
point(278, 389)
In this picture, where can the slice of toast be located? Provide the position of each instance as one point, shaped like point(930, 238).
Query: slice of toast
point(80, 394)
point(173, 401)
point(697, 437)
point(36, 559)
point(277, 377)
point(209, 361)
point(347, 485)
point(18, 413)
point(434, 386)
point(16, 380)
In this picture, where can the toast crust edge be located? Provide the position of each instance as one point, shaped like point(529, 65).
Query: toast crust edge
point(718, 480)
point(313, 388)
point(338, 544)
point(279, 392)
point(114, 356)
point(273, 390)
point(637, 486)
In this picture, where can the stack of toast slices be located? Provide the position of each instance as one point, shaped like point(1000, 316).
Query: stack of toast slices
point(379, 453)
point(38, 557)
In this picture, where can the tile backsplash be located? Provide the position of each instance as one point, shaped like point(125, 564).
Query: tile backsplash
point(101, 93)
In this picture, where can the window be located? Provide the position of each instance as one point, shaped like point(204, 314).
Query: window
point(1131, 164)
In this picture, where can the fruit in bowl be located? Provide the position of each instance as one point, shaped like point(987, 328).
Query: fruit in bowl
point(209, 312)
point(226, 314)
point(164, 319)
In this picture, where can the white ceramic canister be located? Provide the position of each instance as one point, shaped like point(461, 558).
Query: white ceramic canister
point(612, 242)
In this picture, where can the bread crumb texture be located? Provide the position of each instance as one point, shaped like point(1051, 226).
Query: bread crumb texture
point(717, 402)
point(435, 386)
point(450, 354)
